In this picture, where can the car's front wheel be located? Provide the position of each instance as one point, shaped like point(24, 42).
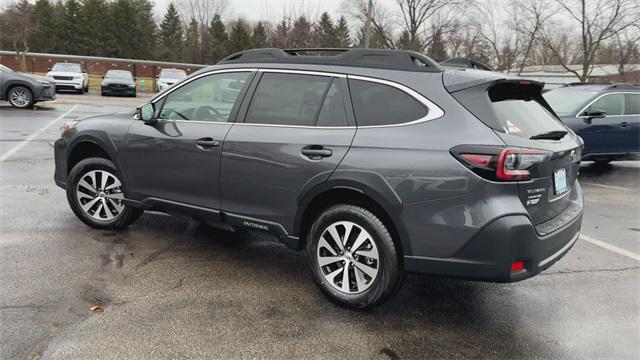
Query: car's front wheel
point(353, 257)
point(21, 97)
point(95, 194)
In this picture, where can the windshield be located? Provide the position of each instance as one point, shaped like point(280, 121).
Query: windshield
point(173, 74)
point(567, 101)
point(118, 74)
point(4, 68)
point(67, 67)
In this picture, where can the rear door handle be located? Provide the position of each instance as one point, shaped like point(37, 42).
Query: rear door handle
point(207, 143)
point(624, 124)
point(316, 152)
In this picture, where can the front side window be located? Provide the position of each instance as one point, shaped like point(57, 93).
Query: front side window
point(612, 104)
point(209, 98)
point(380, 104)
point(288, 99)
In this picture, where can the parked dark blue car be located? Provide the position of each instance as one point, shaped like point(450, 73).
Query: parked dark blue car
point(606, 116)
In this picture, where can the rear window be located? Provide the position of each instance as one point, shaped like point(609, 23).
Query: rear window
point(379, 104)
point(510, 108)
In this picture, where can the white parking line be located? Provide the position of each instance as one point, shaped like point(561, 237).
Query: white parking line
point(610, 186)
point(35, 135)
point(610, 247)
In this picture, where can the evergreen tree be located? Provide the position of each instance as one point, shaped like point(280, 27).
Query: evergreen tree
point(301, 33)
point(438, 48)
point(341, 33)
point(239, 38)
point(404, 41)
point(71, 35)
point(146, 29)
point(171, 37)
point(219, 40)
point(324, 33)
point(92, 21)
point(46, 33)
point(259, 38)
point(192, 43)
point(133, 29)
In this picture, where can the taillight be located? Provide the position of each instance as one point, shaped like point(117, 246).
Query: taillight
point(513, 163)
point(499, 163)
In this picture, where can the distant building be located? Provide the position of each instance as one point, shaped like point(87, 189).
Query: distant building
point(555, 75)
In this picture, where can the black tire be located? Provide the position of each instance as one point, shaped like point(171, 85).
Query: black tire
point(81, 91)
point(125, 218)
point(20, 97)
point(602, 161)
point(390, 274)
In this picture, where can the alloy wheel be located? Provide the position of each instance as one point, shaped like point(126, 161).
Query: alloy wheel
point(100, 195)
point(20, 97)
point(348, 257)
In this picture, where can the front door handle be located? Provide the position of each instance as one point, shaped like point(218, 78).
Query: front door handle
point(206, 143)
point(624, 124)
point(316, 152)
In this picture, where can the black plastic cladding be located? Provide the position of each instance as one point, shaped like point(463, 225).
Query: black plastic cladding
point(371, 58)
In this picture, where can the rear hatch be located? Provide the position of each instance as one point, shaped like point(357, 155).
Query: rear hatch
point(541, 154)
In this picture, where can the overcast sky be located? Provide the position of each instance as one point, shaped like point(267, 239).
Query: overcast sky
point(272, 10)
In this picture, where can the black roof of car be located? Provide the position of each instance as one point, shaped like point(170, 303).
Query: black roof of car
point(370, 58)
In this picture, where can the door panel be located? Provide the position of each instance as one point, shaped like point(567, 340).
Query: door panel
point(603, 135)
point(263, 168)
point(177, 158)
point(630, 124)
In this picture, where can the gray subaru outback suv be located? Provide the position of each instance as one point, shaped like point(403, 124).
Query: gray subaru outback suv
point(374, 162)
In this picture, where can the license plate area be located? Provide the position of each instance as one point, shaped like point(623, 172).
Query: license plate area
point(560, 181)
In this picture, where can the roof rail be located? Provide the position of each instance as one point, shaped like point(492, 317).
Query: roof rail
point(623, 86)
point(370, 58)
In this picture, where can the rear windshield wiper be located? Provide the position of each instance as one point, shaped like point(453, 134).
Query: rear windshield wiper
point(551, 135)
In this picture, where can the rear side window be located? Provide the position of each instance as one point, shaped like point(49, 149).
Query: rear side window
point(633, 104)
point(612, 104)
point(510, 108)
point(380, 104)
point(288, 99)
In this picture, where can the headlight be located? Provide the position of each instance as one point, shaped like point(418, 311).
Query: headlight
point(78, 77)
point(45, 83)
point(132, 86)
point(68, 126)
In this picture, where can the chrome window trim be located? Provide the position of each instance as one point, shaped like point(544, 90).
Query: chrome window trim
point(601, 96)
point(433, 110)
point(213, 72)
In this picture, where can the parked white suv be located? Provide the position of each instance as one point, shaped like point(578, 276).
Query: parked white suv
point(69, 76)
point(168, 77)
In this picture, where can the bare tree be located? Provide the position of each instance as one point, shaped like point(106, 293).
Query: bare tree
point(627, 48)
point(17, 25)
point(528, 18)
point(201, 10)
point(416, 16)
point(358, 10)
point(488, 22)
point(597, 21)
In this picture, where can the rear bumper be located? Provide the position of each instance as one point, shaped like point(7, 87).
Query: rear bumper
point(490, 254)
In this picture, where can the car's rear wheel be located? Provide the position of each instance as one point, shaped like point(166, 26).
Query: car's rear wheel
point(95, 194)
point(20, 97)
point(353, 257)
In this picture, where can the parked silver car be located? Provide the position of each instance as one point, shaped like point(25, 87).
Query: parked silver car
point(24, 90)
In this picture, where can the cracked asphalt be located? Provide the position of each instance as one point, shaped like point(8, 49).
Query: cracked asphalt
point(172, 288)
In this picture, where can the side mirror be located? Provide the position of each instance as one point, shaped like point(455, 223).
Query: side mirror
point(146, 113)
point(84, 71)
point(593, 114)
point(48, 69)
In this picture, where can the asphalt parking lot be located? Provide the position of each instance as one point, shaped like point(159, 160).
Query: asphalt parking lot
point(172, 288)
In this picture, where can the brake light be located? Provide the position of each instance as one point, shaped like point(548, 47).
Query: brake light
point(499, 163)
point(517, 266)
point(478, 159)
